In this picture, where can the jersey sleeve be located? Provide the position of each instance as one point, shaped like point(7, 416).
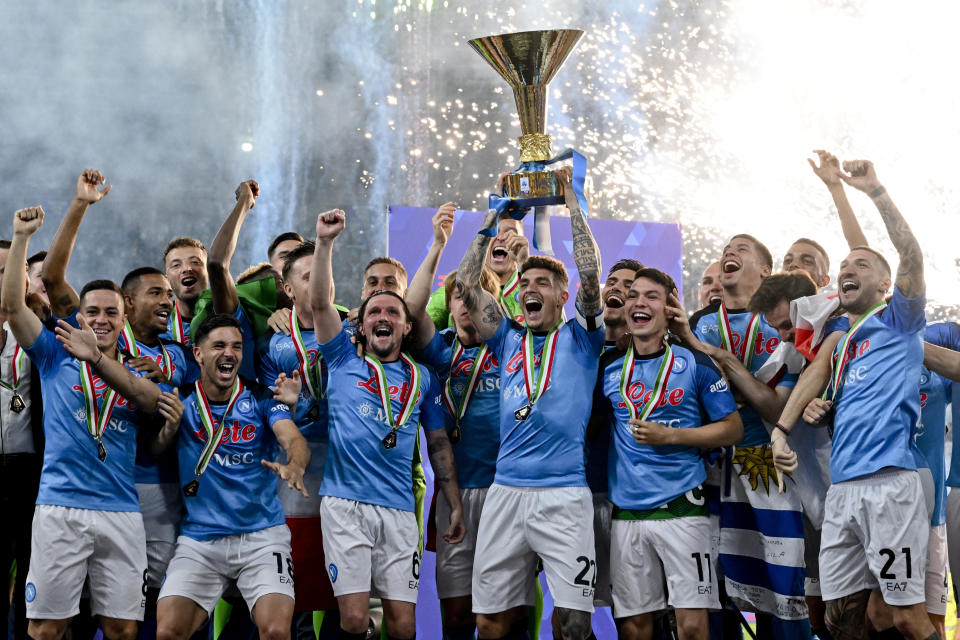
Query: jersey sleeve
point(336, 352)
point(435, 355)
point(943, 334)
point(499, 339)
point(186, 369)
point(267, 367)
point(905, 314)
point(45, 352)
point(437, 309)
point(431, 406)
point(272, 410)
point(716, 399)
point(590, 332)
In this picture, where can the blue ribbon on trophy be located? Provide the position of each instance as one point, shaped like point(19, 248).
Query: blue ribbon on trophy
point(528, 61)
point(517, 208)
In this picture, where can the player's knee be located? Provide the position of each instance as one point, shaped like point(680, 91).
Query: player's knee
point(492, 626)
point(912, 622)
point(274, 630)
point(402, 628)
point(119, 629)
point(574, 625)
point(169, 629)
point(354, 621)
point(46, 629)
point(693, 627)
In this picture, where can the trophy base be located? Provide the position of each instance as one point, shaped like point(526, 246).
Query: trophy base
point(539, 187)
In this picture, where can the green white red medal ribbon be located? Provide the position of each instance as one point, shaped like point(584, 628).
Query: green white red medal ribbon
point(458, 410)
point(383, 389)
point(19, 366)
point(506, 291)
point(659, 390)
point(310, 375)
point(166, 364)
point(214, 433)
point(537, 381)
point(726, 334)
point(97, 415)
point(842, 356)
point(176, 325)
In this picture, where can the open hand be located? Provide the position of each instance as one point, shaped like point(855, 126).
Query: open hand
point(289, 473)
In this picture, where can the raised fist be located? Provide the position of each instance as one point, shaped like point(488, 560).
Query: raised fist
point(248, 191)
point(27, 221)
point(330, 224)
point(87, 186)
point(860, 175)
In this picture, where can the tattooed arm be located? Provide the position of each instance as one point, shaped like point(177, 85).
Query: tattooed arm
point(483, 308)
point(445, 475)
point(585, 253)
point(861, 175)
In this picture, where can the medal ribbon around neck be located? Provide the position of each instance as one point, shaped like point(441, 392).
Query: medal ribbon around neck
point(19, 366)
point(458, 410)
point(837, 372)
point(726, 334)
point(176, 325)
point(98, 415)
point(383, 388)
point(166, 364)
point(536, 382)
point(659, 386)
point(310, 375)
point(505, 292)
point(214, 434)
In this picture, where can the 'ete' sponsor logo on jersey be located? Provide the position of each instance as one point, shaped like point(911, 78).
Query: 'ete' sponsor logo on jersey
point(246, 433)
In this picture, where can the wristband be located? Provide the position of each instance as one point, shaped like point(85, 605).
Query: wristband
point(783, 429)
point(876, 193)
point(98, 360)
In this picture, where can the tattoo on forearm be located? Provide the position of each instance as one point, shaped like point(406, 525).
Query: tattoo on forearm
point(441, 459)
point(910, 271)
point(491, 314)
point(587, 258)
point(845, 616)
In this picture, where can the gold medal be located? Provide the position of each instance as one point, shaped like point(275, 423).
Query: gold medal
point(391, 440)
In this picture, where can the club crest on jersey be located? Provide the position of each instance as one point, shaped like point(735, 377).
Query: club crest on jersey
point(924, 378)
point(679, 364)
point(244, 405)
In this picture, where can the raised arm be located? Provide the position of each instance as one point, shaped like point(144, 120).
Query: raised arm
point(861, 175)
point(829, 172)
point(483, 308)
point(298, 455)
point(82, 344)
point(585, 252)
point(63, 299)
point(445, 474)
point(418, 293)
point(222, 286)
point(26, 326)
point(326, 319)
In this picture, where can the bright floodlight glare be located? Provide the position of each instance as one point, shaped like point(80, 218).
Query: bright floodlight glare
point(247, 147)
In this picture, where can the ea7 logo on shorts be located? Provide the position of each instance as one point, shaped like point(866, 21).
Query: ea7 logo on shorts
point(332, 570)
point(30, 593)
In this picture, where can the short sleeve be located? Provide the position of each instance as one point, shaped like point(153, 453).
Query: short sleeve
point(590, 340)
point(45, 352)
point(272, 410)
point(904, 314)
point(435, 355)
point(499, 339)
point(267, 368)
point(337, 351)
point(837, 323)
point(715, 396)
point(186, 369)
point(943, 334)
point(431, 405)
